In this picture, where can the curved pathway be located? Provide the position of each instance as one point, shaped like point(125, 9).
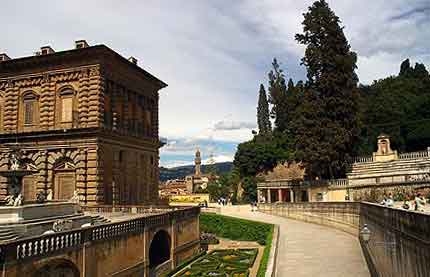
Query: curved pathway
point(307, 249)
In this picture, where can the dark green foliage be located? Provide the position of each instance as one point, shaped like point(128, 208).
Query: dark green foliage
point(397, 106)
point(407, 71)
point(263, 119)
point(278, 96)
point(258, 155)
point(265, 259)
point(235, 228)
point(332, 94)
point(224, 186)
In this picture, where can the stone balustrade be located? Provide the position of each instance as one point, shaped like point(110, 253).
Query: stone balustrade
point(364, 159)
point(48, 244)
point(414, 155)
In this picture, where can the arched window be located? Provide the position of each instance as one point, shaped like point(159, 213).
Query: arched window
point(67, 103)
point(30, 108)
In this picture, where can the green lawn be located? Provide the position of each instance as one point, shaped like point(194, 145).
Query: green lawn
point(240, 229)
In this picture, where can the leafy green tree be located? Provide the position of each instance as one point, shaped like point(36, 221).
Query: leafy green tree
point(263, 119)
point(332, 80)
point(397, 106)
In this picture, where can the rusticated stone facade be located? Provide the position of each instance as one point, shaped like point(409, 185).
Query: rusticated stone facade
point(86, 119)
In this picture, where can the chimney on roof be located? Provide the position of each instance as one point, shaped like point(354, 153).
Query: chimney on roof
point(46, 50)
point(81, 44)
point(4, 57)
point(133, 60)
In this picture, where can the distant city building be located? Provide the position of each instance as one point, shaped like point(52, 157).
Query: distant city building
point(198, 181)
point(86, 120)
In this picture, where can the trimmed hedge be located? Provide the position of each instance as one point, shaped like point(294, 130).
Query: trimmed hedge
point(236, 228)
point(265, 258)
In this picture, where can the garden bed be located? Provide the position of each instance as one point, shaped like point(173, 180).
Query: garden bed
point(222, 263)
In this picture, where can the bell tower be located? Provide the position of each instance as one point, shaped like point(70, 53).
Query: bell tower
point(198, 163)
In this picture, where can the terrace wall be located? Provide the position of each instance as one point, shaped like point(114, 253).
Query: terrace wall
point(400, 239)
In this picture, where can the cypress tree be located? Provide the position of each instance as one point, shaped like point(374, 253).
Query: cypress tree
point(278, 96)
point(332, 80)
point(405, 68)
point(263, 119)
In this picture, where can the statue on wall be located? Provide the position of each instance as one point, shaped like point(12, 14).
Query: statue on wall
point(49, 195)
point(18, 200)
point(75, 197)
point(40, 197)
point(10, 200)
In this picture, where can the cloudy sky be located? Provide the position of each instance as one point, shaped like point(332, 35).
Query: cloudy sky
point(214, 54)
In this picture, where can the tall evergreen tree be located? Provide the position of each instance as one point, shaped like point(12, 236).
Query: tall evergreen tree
point(263, 119)
point(278, 96)
point(331, 77)
point(405, 68)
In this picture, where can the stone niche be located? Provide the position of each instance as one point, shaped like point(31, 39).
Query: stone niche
point(384, 152)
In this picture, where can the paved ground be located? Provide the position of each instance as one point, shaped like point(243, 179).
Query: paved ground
point(308, 249)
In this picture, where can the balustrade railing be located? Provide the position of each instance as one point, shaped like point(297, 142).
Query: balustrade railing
point(364, 159)
point(47, 244)
point(413, 155)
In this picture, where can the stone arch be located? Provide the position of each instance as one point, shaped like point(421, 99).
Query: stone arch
point(57, 268)
point(63, 178)
point(159, 249)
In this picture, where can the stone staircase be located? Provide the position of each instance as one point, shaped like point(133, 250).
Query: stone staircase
point(8, 233)
point(99, 219)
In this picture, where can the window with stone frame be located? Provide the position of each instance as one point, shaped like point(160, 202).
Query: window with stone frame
point(67, 112)
point(30, 105)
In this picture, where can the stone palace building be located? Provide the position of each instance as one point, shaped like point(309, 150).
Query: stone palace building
point(86, 119)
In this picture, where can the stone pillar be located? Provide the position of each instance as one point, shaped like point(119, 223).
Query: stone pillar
point(269, 196)
point(280, 195)
point(258, 195)
point(292, 196)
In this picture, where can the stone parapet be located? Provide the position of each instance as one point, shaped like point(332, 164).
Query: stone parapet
point(399, 244)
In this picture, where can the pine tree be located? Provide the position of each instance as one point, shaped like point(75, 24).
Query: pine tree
point(405, 68)
point(333, 107)
point(263, 119)
point(278, 96)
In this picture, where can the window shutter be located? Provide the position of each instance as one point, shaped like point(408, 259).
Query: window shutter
point(28, 112)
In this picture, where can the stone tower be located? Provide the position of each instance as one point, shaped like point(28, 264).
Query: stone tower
point(198, 163)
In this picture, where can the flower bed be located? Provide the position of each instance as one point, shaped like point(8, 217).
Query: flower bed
point(222, 263)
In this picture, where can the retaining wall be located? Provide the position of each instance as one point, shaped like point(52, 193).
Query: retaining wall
point(400, 239)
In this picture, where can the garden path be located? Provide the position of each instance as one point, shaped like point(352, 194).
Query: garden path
point(310, 250)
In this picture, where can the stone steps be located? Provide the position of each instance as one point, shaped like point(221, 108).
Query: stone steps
point(99, 219)
point(8, 233)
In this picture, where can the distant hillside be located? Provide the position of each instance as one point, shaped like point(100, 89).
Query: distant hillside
point(182, 171)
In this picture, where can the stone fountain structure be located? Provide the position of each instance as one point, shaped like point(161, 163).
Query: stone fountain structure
point(20, 217)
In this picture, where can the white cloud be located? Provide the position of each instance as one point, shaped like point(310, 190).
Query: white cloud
point(214, 54)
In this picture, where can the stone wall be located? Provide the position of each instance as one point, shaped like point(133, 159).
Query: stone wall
point(339, 215)
point(400, 240)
